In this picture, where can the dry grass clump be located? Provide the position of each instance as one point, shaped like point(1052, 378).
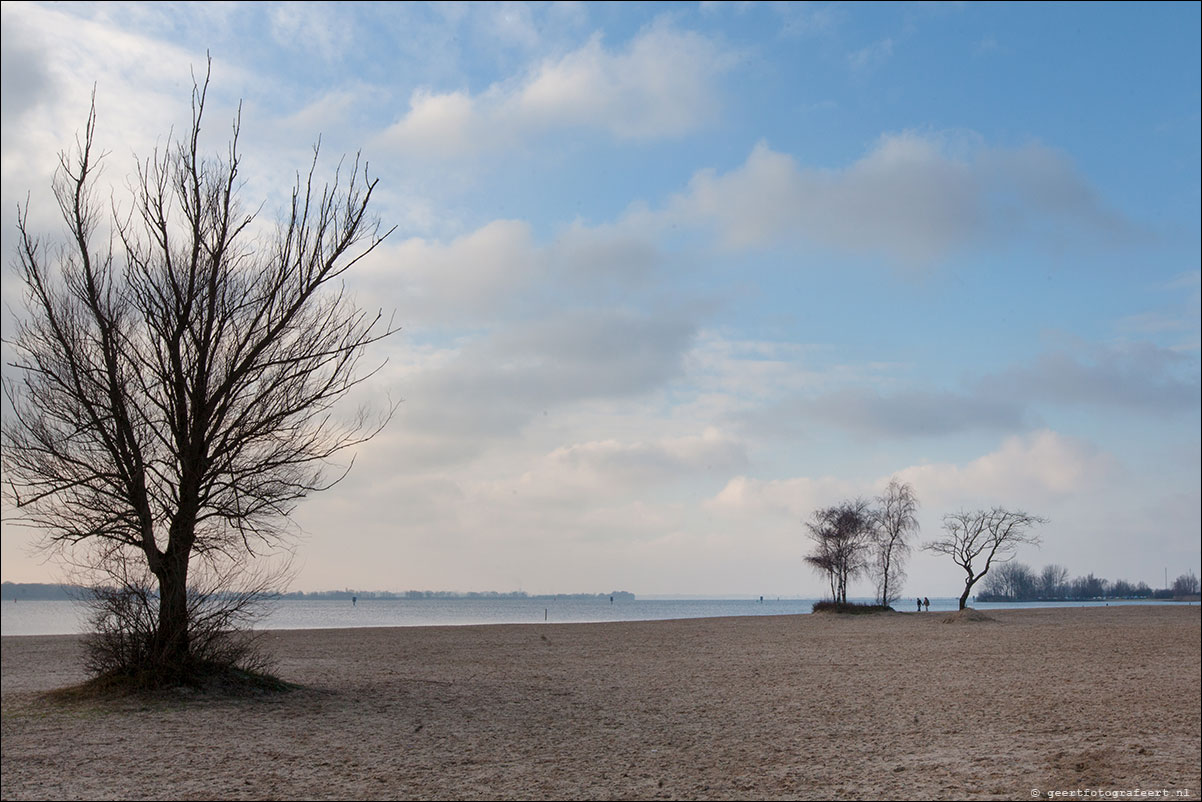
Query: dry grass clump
point(968, 616)
point(212, 680)
point(850, 608)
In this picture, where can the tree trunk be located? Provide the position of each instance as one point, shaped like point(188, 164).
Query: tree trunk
point(171, 640)
point(964, 595)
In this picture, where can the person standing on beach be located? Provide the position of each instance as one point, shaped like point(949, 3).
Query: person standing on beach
point(920, 605)
point(926, 603)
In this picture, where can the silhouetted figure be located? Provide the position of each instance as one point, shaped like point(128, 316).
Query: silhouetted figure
point(354, 601)
point(920, 605)
point(926, 603)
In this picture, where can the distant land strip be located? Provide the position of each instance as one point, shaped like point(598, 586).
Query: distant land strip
point(39, 591)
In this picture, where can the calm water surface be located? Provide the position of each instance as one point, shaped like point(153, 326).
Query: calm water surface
point(67, 617)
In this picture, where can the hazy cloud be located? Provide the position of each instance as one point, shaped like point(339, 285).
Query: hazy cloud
point(1136, 376)
point(1139, 377)
point(1190, 280)
point(323, 30)
point(25, 75)
point(494, 386)
point(617, 257)
point(913, 199)
point(872, 56)
point(640, 464)
point(910, 414)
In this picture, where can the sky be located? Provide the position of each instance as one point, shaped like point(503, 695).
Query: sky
point(671, 277)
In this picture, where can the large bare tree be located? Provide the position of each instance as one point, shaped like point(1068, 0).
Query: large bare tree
point(896, 520)
point(177, 369)
point(976, 540)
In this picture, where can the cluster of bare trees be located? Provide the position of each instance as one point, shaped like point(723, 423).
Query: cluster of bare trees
point(174, 383)
point(860, 537)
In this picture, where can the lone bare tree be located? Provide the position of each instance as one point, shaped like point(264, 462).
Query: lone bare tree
point(976, 540)
point(896, 520)
point(1052, 580)
point(1185, 585)
point(841, 537)
point(176, 373)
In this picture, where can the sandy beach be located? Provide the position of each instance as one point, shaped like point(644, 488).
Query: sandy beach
point(1101, 701)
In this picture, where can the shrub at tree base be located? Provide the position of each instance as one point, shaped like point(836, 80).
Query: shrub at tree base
point(851, 608)
point(120, 651)
point(968, 616)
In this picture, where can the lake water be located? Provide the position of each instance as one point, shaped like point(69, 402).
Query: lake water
point(66, 617)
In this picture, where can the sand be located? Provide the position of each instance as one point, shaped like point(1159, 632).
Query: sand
point(1086, 700)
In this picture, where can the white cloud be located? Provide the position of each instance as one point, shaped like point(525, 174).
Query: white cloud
point(793, 498)
point(660, 85)
point(468, 281)
point(53, 59)
point(444, 124)
point(1029, 470)
point(325, 113)
point(1026, 471)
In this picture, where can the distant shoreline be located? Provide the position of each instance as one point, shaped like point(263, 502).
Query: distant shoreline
point(38, 591)
point(41, 591)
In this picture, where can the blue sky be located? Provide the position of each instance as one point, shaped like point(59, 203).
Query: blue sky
point(673, 276)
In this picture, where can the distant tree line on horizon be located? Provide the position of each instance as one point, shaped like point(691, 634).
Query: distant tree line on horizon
point(41, 591)
point(38, 591)
point(617, 595)
point(1019, 582)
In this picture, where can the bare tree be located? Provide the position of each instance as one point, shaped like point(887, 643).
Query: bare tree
point(1089, 587)
point(1185, 585)
point(976, 540)
point(895, 520)
point(1121, 589)
point(176, 374)
point(1052, 581)
point(841, 536)
point(1013, 581)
